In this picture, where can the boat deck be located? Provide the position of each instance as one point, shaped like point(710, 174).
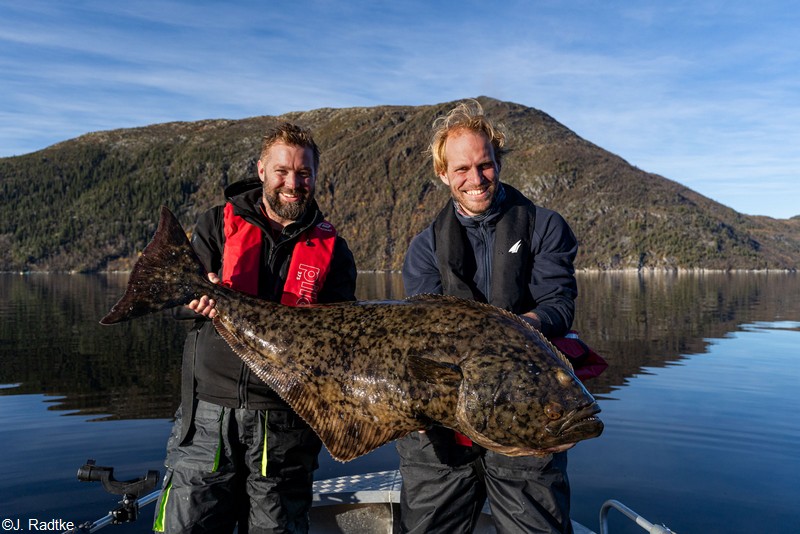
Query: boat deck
point(369, 503)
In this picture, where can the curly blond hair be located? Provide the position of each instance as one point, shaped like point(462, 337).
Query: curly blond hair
point(467, 115)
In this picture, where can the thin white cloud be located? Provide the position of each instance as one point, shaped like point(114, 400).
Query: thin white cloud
point(703, 92)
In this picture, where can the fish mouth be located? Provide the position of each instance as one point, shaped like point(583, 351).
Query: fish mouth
point(557, 436)
point(580, 423)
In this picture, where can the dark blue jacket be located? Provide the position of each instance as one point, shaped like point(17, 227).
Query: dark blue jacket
point(533, 248)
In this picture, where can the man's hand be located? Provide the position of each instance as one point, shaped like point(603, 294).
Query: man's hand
point(205, 305)
point(532, 319)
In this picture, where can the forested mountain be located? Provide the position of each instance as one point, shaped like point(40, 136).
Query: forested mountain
point(92, 203)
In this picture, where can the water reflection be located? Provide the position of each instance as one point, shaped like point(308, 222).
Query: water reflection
point(379, 286)
point(651, 319)
point(51, 341)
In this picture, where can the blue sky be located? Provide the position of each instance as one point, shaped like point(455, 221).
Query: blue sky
point(704, 92)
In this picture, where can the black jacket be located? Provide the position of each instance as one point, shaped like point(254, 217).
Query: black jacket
point(217, 375)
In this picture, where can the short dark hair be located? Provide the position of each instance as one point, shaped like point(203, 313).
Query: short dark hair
point(290, 134)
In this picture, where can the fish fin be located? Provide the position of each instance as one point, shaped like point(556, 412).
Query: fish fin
point(346, 434)
point(469, 303)
point(347, 437)
point(168, 273)
point(433, 297)
point(244, 352)
point(559, 354)
point(427, 370)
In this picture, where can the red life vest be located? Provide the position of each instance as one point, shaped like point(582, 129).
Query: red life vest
point(310, 264)
point(585, 361)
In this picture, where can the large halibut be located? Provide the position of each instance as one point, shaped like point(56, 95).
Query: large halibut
point(365, 373)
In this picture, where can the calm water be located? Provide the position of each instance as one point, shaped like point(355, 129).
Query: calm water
point(700, 402)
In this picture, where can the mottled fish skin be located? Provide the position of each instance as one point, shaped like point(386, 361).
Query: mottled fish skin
point(365, 373)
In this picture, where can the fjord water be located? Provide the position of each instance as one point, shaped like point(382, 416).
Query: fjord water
point(700, 401)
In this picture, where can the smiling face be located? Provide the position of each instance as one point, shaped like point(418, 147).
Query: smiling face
point(289, 176)
point(472, 171)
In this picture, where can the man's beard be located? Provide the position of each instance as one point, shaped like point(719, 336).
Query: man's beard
point(292, 211)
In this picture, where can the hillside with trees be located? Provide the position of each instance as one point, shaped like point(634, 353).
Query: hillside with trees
point(91, 203)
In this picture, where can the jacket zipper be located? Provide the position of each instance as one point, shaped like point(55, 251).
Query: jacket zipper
point(487, 261)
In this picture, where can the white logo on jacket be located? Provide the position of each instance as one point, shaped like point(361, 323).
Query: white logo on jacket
point(515, 248)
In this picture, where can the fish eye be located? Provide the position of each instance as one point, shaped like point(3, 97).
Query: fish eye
point(563, 378)
point(553, 411)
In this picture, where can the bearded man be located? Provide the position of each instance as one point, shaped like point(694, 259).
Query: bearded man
point(238, 456)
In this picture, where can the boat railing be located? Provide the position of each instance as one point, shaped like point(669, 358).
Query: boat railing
point(630, 514)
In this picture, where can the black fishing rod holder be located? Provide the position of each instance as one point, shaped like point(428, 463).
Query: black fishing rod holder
point(130, 490)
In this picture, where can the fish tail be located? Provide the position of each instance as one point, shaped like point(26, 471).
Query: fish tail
point(167, 274)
